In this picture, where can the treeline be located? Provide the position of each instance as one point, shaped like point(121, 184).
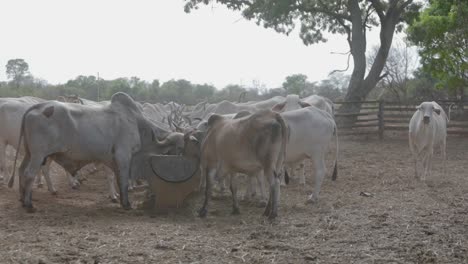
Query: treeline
point(401, 83)
point(182, 91)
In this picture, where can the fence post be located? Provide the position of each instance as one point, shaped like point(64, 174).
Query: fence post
point(380, 116)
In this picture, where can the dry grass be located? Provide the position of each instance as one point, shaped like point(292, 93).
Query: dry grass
point(403, 221)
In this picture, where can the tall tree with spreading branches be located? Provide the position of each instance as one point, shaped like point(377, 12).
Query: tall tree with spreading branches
point(350, 17)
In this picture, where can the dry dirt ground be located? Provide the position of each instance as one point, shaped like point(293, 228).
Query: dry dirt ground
point(403, 221)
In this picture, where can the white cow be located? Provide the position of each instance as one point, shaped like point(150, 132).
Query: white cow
point(310, 132)
point(292, 102)
point(426, 131)
point(75, 135)
point(11, 112)
point(320, 102)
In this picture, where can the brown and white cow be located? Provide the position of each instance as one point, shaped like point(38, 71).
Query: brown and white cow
point(252, 144)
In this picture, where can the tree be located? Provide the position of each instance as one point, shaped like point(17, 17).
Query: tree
point(398, 70)
point(349, 17)
point(334, 87)
point(441, 32)
point(180, 91)
point(295, 84)
point(17, 69)
point(203, 92)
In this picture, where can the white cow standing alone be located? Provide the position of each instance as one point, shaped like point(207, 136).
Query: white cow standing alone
point(426, 131)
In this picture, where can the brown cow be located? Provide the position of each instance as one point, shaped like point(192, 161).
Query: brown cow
point(249, 145)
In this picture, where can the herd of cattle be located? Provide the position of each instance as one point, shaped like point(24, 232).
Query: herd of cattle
point(262, 139)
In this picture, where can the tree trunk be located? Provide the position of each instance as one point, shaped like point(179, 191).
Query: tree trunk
point(360, 86)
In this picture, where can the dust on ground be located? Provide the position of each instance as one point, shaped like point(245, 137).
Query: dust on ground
point(376, 212)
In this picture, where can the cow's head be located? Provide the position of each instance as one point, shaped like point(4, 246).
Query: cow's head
point(427, 109)
point(192, 143)
point(292, 102)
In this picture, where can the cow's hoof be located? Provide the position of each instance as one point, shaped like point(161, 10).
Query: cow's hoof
point(235, 211)
point(40, 185)
point(311, 200)
point(114, 200)
point(75, 186)
point(267, 212)
point(127, 207)
point(272, 216)
point(29, 208)
point(202, 212)
point(261, 204)
point(54, 193)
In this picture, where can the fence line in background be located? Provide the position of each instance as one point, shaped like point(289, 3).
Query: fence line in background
point(377, 117)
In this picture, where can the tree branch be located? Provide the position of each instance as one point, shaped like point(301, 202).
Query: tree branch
point(368, 13)
point(347, 67)
point(382, 76)
point(323, 9)
point(379, 8)
point(404, 5)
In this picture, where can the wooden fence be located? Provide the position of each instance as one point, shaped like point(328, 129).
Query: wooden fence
point(377, 117)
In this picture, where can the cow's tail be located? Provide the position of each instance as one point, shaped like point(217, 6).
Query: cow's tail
point(11, 181)
point(335, 169)
point(284, 141)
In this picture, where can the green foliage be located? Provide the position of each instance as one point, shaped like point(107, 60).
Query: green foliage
point(441, 32)
point(17, 70)
point(296, 84)
point(181, 91)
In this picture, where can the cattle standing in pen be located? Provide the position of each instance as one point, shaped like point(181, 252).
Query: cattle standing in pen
point(310, 132)
point(246, 145)
point(11, 112)
point(75, 135)
point(427, 129)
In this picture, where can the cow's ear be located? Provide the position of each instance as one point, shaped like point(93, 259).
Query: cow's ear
point(419, 107)
point(214, 119)
point(303, 104)
point(278, 107)
point(437, 110)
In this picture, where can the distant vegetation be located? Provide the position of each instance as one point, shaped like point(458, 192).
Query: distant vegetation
point(22, 83)
point(402, 83)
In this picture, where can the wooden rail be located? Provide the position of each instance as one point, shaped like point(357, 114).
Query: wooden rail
point(377, 117)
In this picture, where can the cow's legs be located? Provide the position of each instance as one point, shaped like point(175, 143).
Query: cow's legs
point(111, 181)
point(428, 163)
point(123, 171)
point(26, 181)
point(261, 186)
point(415, 157)
point(302, 173)
point(3, 170)
point(425, 162)
point(233, 186)
point(320, 170)
point(208, 174)
point(251, 187)
point(73, 180)
point(46, 172)
point(22, 167)
point(202, 184)
point(271, 209)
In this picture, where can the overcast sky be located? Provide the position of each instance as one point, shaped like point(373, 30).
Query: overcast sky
point(156, 39)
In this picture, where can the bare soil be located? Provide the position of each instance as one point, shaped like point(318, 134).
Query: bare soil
point(376, 212)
